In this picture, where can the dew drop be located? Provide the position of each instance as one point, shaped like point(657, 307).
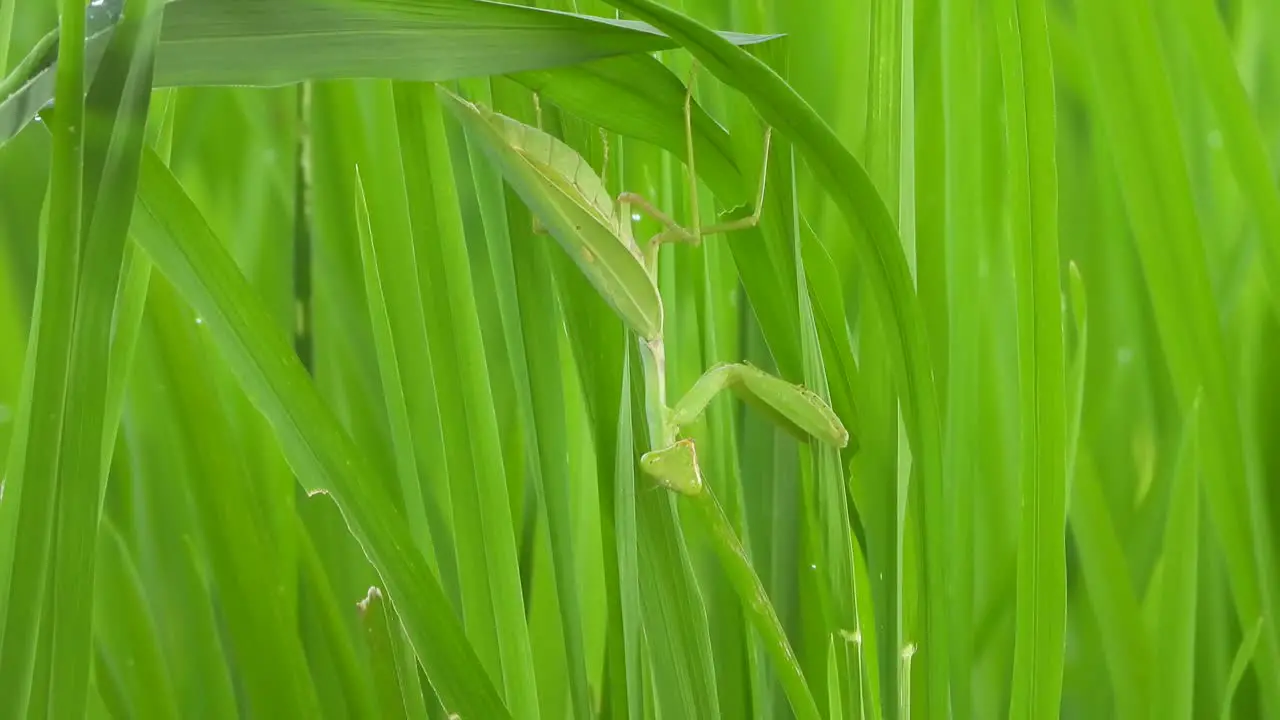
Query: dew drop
point(635, 217)
point(199, 321)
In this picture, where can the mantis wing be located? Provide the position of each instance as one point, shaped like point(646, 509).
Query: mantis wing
point(563, 191)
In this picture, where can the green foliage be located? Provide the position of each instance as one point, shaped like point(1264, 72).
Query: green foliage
point(339, 376)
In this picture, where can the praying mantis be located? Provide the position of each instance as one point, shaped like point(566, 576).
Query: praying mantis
point(571, 203)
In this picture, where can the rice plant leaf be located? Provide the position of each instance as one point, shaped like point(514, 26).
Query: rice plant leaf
point(878, 248)
point(1239, 666)
point(569, 198)
point(356, 686)
point(1126, 646)
point(270, 659)
point(751, 592)
point(1242, 136)
point(1175, 636)
point(1040, 640)
point(792, 407)
point(626, 552)
point(125, 632)
point(324, 458)
point(382, 662)
point(115, 120)
point(29, 87)
point(253, 42)
point(444, 267)
point(26, 651)
point(396, 683)
point(1136, 105)
point(249, 42)
point(376, 259)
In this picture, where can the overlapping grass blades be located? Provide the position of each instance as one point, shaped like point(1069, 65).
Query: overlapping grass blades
point(348, 291)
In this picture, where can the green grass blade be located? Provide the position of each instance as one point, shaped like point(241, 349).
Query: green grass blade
point(1242, 136)
point(262, 646)
point(395, 261)
point(243, 42)
point(125, 632)
point(755, 601)
point(1239, 665)
point(1175, 635)
point(1136, 104)
point(382, 661)
point(444, 268)
point(963, 232)
point(25, 628)
point(1042, 573)
point(246, 42)
point(116, 110)
point(185, 249)
point(626, 550)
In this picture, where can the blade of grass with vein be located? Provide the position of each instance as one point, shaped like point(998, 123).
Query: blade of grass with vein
point(1110, 589)
point(21, 651)
point(125, 632)
point(847, 183)
point(626, 550)
point(382, 661)
point(1175, 633)
point(1241, 135)
point(878, 469)
point(531, 316)
point(444, 268)
point(539, 319)
point(396, 296)
point(963, 232)
point(171, 568)
point(262, 645)
point(354, 681)
point(395, 680)
point(1136, 104)
point(245, 42)
point(115, 115)
point(184, 248)
point(756, 603)
point(1239, 665)
point(1042, 574)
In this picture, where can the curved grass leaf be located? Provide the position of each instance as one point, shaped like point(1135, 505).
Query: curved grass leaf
point(278, 42)
point(184, 248)
point(1239, 665)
